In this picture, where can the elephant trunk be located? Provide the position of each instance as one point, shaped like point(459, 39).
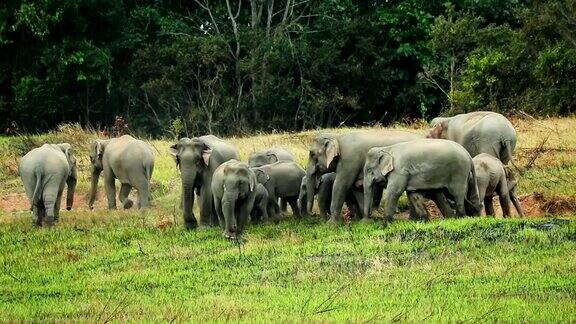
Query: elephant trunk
point(310, 185)
point(228, 209)
point(93, 187)
point(71, 183)
point(188, 185)
point(368, 195)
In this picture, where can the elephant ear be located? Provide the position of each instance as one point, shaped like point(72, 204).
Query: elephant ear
point(386, 163)
point(174, 150)
point(69, 152)
point(318, 182)
point(332, 151)
point(272, 158)
point(261, 176)
point(206, 152)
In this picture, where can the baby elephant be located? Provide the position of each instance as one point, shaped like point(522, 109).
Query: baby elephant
point(419, 166)
point(269, 156)
point(44, 171)
point(495, 178)
point(323, 191)
point(234, 192)
point(260, 209)
point(282, 180)
point(127, 159)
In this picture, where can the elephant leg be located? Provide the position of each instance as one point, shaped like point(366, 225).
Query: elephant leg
point(219, 213)
point(283, 205)
point(418, 210)
point(293, 201)
point(263, 210)
point(57, 204)
point(38, 213)
point(206, 205)
point(123, 196)
point(49, 199)
point(504, 196)
point(342, 184)
point(110, 186)
point(516, 202)
point(391, 199)
point(459, 198)
point(144, 196)
point(443, 205)
point(243, 213)
point(489, 206)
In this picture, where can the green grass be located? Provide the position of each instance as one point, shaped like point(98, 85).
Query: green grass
point(124, 266)
point(131, 265)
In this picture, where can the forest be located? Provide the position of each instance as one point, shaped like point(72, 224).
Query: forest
point(170, 68)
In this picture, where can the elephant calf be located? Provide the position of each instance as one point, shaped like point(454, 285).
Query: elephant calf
point(260, 209)
point(281, 180)
point(127, 159)
point(44, 171)
point(234, 192)
point(420, 166)
point(495, 178)
point(323, 190)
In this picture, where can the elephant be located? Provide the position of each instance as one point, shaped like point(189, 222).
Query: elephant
point(419, 166)
point(345, 154)
point(323, 190)
point(492, 178)
point(479, 132)
point(270, 156)
point(197, 158)
point(234, 192)
point(127, 159)
point(44, 171)
point(281, 180)
point(260, 209)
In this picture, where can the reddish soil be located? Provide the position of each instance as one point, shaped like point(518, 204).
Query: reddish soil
point(19, 202)
point(534, 205)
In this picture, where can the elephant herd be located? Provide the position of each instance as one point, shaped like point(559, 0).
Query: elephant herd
point(460, 165)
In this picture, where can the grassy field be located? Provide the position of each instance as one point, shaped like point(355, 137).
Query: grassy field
point(131, 265)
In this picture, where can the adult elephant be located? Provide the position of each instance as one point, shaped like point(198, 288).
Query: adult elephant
point(234, 191)
point(479, 132)
point(127, 159)
point(197, 158)
point(269, 156)
point(44, 171)
point(345, 154)
point(422, 165)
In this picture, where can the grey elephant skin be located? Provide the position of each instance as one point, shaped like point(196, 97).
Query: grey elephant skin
point(44, 171)
point(197, 158)
point(127, 159)
point(281, 180)
point(270, 156)
point(234, 192)
point(345, 154)
point(421, 165)
point(479, 132)
point(323, 192)
point(493, 178)
point(260, 210)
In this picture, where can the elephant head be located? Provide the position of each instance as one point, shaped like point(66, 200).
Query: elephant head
point(73, 174)
point(97, 148)
point(192, 158)
point(510, 178)
point(262, 158)
point(379, 163)
point(324, 153)
point(239, 184)
point(438, 127)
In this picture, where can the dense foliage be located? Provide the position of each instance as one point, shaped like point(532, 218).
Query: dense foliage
point(174, 67)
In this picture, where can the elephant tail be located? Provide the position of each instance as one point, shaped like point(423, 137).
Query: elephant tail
point(472, 202)
point(36, 197)
point(505, 151)
point(148, 169)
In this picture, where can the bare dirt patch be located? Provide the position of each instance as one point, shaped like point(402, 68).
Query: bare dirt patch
point(14, 202)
